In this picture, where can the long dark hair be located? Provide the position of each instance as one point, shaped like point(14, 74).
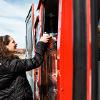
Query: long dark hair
point(4, 52)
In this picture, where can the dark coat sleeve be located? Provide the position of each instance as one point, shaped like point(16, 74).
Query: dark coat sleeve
point(18, 65)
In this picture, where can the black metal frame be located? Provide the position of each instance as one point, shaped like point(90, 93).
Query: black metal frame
point(80, 50)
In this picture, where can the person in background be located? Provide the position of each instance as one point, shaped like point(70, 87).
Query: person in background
point(13, 82)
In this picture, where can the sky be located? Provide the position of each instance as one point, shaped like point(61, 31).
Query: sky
point(12, 19)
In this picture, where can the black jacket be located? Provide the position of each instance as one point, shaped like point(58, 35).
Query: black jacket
point(13, 82)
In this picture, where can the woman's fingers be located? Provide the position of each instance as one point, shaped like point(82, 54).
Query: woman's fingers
point(45, 38)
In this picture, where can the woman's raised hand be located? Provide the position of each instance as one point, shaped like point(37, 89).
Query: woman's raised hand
point(45, 38)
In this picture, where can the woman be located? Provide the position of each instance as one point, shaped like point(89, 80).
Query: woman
point(13, 82)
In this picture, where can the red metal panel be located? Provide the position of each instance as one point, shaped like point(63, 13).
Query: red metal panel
point(65, 50)
point(41, 18)
point(89, 50)
point(33, 18)
point(37, 75)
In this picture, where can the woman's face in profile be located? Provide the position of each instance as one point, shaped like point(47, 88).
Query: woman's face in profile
point(12, 45)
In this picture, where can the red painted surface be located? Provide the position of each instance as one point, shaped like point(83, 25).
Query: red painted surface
point(33, 17)
point(65, 50)
point(89, 50)
point(41, 18)
point(37, 78)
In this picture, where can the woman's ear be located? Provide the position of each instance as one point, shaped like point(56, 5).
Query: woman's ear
point(7, 47)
